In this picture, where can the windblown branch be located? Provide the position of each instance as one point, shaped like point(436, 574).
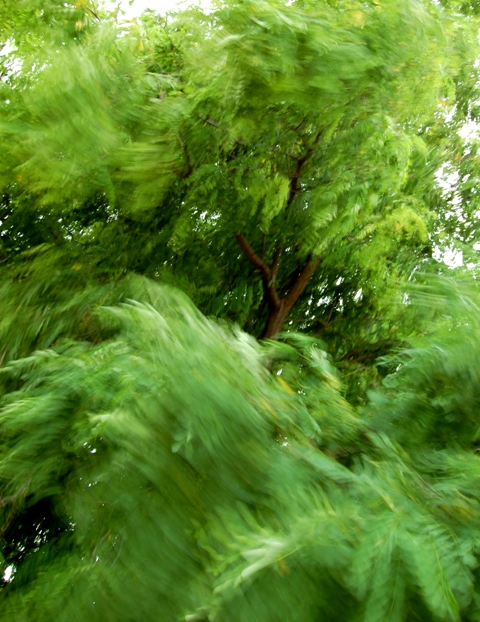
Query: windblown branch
point(186, 173)
point(301, 282)
point(278, 307)
point(370, 351)
point(16, 502)
point(213, 123)
point(95, 15)
point(275, 264)
point(295, 179)
point(267, 273)
point(254, 259)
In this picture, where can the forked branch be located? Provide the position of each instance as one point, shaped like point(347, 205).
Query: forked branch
point(278, 307)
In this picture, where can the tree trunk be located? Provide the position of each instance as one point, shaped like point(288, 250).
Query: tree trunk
point(276, 319)
point(278, 308)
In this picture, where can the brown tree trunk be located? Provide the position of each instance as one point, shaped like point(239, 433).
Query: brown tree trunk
point(278, 308)
point(275, 322)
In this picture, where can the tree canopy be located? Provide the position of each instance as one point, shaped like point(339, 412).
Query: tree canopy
point(274, 159)
point(237, 380)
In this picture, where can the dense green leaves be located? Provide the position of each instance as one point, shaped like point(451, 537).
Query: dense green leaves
point(161, 467)
point(173, 188)
point(313, 129)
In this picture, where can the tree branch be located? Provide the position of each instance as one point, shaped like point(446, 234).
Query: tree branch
point(301, 282)
point(275, 264)
point(268, 274)
point(279, 307)
point(213, 123)
point(190, 168)
point(294, 180)
point(253, 258)
point(93, 13)
point(16, 503)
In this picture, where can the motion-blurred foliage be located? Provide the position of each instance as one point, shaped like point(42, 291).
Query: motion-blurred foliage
point(175, 187)
point(155, 464)
point(278, 161)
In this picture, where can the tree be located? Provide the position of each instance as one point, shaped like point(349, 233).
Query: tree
point(280, 164)
point(157, 468)
point(270, 156)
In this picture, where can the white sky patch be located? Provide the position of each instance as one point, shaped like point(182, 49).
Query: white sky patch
point(7, 575)
point(7, 48)
point(470, 131)
point(452, 257)
point(13, 65)
point(134, 8)
point(449, 180)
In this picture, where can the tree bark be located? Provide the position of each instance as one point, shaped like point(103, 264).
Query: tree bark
point(275, 322)
point(278, 308)
point(277, 315)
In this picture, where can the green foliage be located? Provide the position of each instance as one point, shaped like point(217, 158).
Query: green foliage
point(159, 468)
point(312, 127)
point(173, 187)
